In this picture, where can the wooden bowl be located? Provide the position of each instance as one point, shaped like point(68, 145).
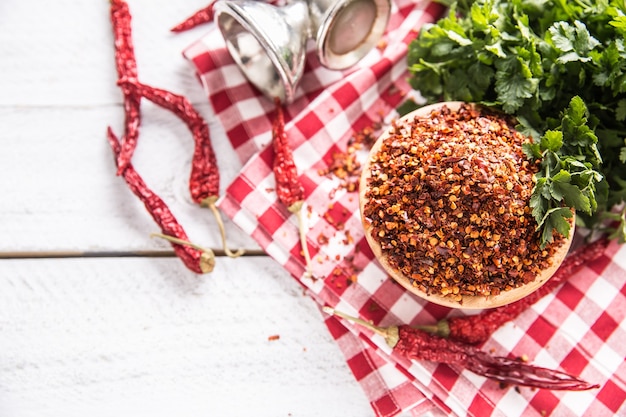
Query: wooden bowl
point(467, 301)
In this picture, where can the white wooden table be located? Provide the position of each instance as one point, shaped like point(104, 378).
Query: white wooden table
point(96, 317)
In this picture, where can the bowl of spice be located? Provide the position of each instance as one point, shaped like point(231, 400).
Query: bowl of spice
point(445, 202)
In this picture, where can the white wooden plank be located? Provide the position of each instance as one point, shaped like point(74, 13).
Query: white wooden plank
point(60, 191)
point(136, 336)
point(61, 52)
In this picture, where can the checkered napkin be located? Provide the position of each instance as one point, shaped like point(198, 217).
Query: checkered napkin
point(579, 329)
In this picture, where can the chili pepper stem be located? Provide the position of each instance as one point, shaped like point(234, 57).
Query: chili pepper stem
point(207, 257)
point(210, 203)
point(296, 208)
point(441, 328)
point(389, 333)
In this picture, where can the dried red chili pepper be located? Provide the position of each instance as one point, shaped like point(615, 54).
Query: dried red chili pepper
point(204, 15)
point(204, 178)
point(197, 259)
point(290, 191)
point(126, 66)
point(476, 329)
point(416, 344)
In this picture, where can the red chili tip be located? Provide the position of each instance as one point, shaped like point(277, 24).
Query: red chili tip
point(202, 16)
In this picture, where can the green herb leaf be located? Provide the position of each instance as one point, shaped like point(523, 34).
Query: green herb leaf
point(514, 81)
point(531, 150)
point(562, 189)
point(574, 42)
point(556, 219)
point(552, 140)
point(619, 23)
point(619, 231)
point(620, 111)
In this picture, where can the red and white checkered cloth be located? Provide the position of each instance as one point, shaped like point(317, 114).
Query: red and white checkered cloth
point(580, 329)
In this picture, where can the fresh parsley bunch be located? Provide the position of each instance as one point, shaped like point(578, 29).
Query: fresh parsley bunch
point(559, 66)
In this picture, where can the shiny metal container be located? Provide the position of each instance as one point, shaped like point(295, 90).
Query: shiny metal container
point(268, 42)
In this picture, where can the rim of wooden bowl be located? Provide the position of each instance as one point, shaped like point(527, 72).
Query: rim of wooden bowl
point(468, 301)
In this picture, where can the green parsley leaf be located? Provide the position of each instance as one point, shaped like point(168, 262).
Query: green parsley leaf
point(619, 231)
point(552, 140)
point(562, 189)
point(531, 150)
point(555, 219)
point(619, 23)
point(574, 41)
point(620, 111)
point(514, 82)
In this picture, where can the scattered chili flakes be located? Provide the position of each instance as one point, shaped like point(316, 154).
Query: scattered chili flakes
point(322, 239)
point(332, 221)
point(345, 275)
point(372, 307)
point(393, 89)
point(345, 165)
point(348, 270)
point(273, 337)
point(349, 239)
point(448, 202)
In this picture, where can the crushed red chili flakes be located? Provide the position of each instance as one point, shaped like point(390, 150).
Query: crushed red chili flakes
point(322, 239)
point(448, 202)
point(345, 165)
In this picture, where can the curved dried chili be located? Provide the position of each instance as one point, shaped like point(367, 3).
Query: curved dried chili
point(204, 15)
point(204, 178)
point(476, 329)
point(416, 344)
point(288, 187)
point(197, 259)
point(126, 65)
